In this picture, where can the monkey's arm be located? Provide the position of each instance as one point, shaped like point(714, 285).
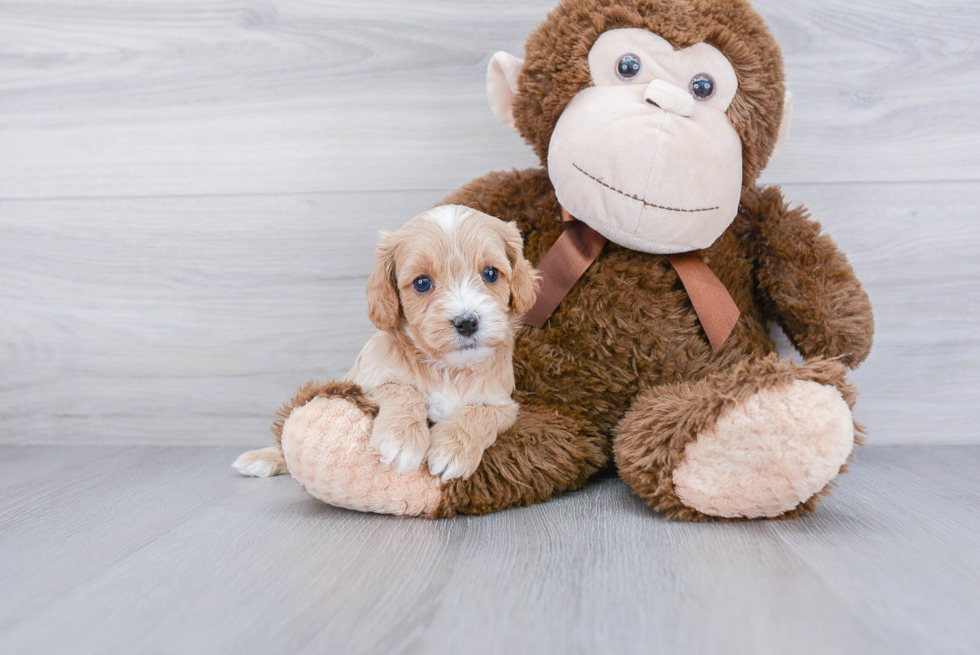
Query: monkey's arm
point(807, 284)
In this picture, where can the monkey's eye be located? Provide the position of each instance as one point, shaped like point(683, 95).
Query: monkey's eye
point(628, 67)
point(422, 284)
point(491, 275)
point(702, 86)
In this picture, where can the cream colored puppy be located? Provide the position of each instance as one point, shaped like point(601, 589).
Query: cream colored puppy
point(446, 294)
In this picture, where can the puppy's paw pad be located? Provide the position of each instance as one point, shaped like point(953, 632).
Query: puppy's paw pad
point(261, 463)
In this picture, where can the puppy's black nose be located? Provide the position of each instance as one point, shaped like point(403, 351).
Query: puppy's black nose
point(466, 325)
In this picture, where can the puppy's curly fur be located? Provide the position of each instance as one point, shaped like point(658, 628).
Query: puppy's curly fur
point(446, 294)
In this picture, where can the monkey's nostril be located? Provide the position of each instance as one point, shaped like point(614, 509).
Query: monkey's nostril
point(466, 325)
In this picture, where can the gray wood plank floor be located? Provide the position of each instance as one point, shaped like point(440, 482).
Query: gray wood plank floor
point(165, 550)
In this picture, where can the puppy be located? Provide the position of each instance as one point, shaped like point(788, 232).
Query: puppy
point(446, 294)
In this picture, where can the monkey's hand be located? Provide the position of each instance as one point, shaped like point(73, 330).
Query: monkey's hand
point(808, 286)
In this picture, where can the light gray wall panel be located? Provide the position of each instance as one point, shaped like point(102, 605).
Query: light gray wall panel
point(188, 320)
point(915, 248)
point(180, 320)
point(190, 193)
point(124, 98)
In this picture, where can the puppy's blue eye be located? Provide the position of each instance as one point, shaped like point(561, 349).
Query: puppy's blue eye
point(490, 274)
point(422, 284)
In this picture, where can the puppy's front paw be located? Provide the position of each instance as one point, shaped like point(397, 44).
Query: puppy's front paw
point(453, 453)
point(400, 441)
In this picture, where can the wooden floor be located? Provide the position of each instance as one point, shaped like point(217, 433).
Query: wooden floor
point(165, 550)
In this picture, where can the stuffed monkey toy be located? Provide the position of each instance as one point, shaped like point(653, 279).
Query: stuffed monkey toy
point(663, 264)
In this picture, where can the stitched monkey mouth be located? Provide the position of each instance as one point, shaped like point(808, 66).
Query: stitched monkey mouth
point(637, 198)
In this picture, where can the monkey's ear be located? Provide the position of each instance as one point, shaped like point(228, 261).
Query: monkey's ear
point(784, 124)
point(502, 86)
point(384, 309)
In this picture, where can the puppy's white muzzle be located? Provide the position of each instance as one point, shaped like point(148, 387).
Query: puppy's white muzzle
point(476, 319)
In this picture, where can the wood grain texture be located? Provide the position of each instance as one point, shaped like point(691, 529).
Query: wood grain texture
point(125, 98)
point(189, 320)
point(166, 550)
point(180, 320)
point(190, 194)
point(876, 86)
point(914, 247)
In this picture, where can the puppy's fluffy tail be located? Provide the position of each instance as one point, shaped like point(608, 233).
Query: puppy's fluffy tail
point(261, 463)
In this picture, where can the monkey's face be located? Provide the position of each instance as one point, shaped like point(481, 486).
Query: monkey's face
point(647, 156)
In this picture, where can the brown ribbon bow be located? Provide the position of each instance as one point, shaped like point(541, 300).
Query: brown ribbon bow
point(579, 246)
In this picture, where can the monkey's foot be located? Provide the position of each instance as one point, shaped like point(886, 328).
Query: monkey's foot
point(327, 447)
point(768, 454)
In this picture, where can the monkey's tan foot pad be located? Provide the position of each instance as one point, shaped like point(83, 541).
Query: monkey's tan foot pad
point(326, 445)
point(767, 454)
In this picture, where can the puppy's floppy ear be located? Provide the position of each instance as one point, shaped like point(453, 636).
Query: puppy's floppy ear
point(524, 279)
point(384, 309)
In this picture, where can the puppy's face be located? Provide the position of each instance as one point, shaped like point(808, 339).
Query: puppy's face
point(454, 281)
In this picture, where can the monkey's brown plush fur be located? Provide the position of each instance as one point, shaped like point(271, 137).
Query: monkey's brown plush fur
point(623, 373)
point(623, 365)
